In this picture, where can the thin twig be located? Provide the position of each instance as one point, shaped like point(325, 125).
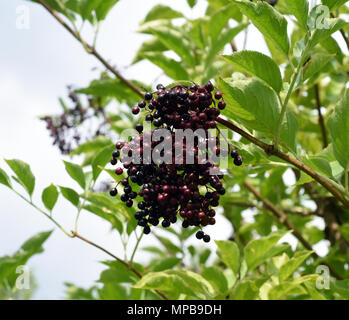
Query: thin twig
point(345, 38)
point(321, 118)
point(298, 164)
point(91, 50)
point(130, 267)
point(289, 225)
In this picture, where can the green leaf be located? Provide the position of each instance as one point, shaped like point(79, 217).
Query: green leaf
point(259, 65)
point(330, 25)
point(171, 67)
point(225, 37)
point(9, 264)
point(219, 20)
point(344, 229)
point(229, 253)
point(49, 197)
point(92, 145)
point(104, 7)
point(299, 8)
point(317, 63)
point(149, 46)
point(259, 250)
point(162, 12)
point(334, 4)
point(174, 40)
point(338, 126)
point(76, 173)
point(177, 282)
point(292, 265)
point(117, 272)
point(192, 3)
point(4, 178)
point(216, 277)
point(245, 290)
point(268, 21)
point(100, 160)
point(70, 194)
point(23, 173)
point(107, 87)
point(164, 263)
point(256, 106)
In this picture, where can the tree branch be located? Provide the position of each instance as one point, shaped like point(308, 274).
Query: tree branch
point(269, 149)
point(130, 267)
point(321, 118)
point(91, 50)
point(289, 225)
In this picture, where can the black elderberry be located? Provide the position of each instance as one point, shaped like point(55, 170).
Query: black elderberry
point(160, 87)
point(116, 153)
point(135, 110)
point(200, 234)
point(206, 238)
point(148, 96)
point(146, 229)
point(238, 161)
point(129, 203)
point(139, 128)
point(142, 104)
point(124, 197)
point(165, 223)
point(113, 192)
point(149, 118)
point(142, 222)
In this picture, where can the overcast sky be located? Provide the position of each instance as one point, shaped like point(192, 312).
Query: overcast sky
point(36, 65)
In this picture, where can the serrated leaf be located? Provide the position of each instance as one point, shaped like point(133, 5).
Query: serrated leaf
point(259, 65)
point(71, 195)
point(23, 173)
point(259, 250)
point(49, 197)
point(338, 126)
point(299, 8)
point(268, 21)
point(229, 253)
point(76, 173)
point(4, 178)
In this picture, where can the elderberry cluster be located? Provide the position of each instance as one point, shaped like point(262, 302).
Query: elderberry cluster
point(168, 190)
point(67, 129)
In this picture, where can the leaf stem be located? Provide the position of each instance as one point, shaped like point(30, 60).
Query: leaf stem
point(136, 247)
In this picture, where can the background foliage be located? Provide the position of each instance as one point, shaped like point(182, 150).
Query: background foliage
point(291, 112)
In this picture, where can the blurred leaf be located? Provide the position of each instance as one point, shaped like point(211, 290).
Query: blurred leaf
point(92, 145)
point(162, 12)
point(164, 264)
point(104, 7)
point(333, 4)
point(344, 229)
point(245, 290)
point(23, 173)
point(338, 126)
point(150, 46)
point(9, 264)
point(4, 178)
point(49, 197)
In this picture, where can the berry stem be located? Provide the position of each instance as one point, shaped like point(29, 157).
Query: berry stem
point(136, 247)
